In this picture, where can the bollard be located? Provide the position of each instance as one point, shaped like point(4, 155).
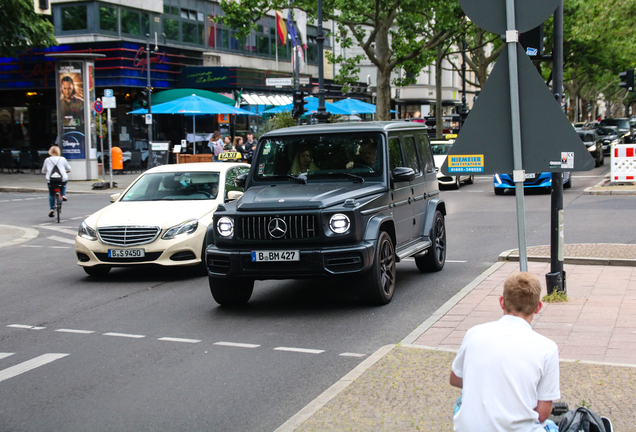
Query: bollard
point(554, 282)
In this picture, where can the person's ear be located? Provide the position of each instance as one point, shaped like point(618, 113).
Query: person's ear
point(539, 306)
point(502, 303)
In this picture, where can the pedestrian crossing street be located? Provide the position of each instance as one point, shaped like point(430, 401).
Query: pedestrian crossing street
point(26, 366)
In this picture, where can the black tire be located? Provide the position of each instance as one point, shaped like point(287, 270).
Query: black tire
point(378, 284)
point(602, 158)
point(456, 184)
point(568, 185)
point(435, 258)
point(97, 271)
point(470, 180)
point(499, 191)
point(58, 207)
point(229, 292)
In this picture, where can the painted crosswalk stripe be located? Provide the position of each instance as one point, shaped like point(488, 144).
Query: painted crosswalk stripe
point(28, 327)
point(75, 331)
point(5, 355)
point(171, 339)
point(236, 344)
point(62, 239)
point(29, 365)
point(300, 350)
point(347, 354)
point(125, 335)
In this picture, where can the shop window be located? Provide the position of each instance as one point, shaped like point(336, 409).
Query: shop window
point(74, 18)
point(108, 18)
point(171, 29)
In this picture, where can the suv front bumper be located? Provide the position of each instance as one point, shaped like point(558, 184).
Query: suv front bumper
point(314, 262)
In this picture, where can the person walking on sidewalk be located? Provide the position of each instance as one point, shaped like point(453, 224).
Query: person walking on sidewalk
point(508, 373)
point(56, 169)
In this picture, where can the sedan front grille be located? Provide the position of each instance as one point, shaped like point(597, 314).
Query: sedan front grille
point(296, 227)
point(128, 235)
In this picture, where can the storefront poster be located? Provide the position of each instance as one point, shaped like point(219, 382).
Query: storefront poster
point(71, 118)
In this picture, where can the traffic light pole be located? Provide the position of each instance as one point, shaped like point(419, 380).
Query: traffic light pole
point(555, 280)
point(320, 38)
point(149, 87)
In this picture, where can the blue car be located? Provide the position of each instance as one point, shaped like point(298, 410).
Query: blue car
point(533, 180)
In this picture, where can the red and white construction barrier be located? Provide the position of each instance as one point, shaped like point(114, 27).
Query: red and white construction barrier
point(624, 163)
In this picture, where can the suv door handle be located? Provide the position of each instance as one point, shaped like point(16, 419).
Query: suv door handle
point(410, 200)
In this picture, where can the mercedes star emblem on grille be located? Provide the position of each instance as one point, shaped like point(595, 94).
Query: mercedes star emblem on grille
point(277, 228)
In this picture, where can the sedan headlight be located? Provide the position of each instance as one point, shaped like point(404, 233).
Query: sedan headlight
point(339, 223)
point(615, 142)
point(498, 179)
point(185, 228)
point(86, 232)
point(225, 226)
point(592, 148)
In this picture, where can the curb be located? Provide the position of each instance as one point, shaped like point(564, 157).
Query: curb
point(29, 234)
point(513, 255)
point(608, 191)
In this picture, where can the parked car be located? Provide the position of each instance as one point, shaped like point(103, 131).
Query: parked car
point(344, 201)
point(161, 218)
point(440, 152)
point(623, 125)
point(594, 146)
point(609, 136)
point(503, 182)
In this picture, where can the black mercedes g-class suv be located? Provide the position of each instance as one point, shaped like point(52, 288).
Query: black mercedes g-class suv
point(333, 200)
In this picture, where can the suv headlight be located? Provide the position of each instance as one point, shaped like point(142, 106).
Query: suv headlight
point(339, 223)
point(185, 228)
point(225, 226)
point(86, 232)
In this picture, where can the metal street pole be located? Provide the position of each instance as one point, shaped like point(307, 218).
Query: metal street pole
point(320, 39)
point(149, 87)
point(464, 112)
point(512, 38)
point(101, 145)
point(555, 280)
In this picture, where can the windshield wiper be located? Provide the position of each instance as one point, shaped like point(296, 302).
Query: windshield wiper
point(346, 174)
point(299, 178)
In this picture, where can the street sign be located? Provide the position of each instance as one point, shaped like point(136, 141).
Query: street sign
point(148, 119)
point(275, 82)
point(109, 102)
point(98, 107)
point(108, 93)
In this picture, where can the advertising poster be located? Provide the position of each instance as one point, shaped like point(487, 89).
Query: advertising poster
point(71, 110)
point(92, 115)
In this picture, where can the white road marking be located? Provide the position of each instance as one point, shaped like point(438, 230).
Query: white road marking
point(59, 247)
point(75, 331)
point(125, 335)
point(78, 217)
point(33, 246)
point(473, 191)
point(352, 355)
point(235, 344)
point(62, 239)
point(60, 229)
point(448, 261)
point(5, 355)
point(28, 327)
point(29, 365)
point(300, 350)
point(171, 339)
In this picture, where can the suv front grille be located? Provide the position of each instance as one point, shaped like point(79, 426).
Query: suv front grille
point(128, 235)
point(297, 227)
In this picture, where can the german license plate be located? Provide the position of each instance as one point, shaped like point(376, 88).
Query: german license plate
point(530, 176)
point(126, 253)
point(258, 256)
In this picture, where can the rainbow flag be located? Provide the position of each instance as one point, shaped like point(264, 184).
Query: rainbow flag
point(282, 28)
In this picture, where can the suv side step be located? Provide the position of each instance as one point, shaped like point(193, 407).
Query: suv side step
point(413, 249)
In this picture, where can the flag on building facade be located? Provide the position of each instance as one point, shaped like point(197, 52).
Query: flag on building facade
point(292, 29)
point(301, 22)
point(282, 28)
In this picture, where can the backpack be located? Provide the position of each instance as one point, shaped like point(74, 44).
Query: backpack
point(581, 420)
point(56, 175)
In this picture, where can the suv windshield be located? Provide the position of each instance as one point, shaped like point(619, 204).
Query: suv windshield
point(606, 131)
point(339, 156)
point(174, 186)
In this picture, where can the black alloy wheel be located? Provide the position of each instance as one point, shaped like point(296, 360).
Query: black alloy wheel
point(378, 284)
point(435, 257)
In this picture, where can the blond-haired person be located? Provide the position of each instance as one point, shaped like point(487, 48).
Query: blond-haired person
point(508, 373)
point(55, 160)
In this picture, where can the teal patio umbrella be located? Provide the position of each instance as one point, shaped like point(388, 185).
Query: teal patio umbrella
point(311, 105)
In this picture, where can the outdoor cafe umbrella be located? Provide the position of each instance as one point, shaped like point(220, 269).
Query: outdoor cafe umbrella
point(192, 105)
point(311, 105)
point(355, 106)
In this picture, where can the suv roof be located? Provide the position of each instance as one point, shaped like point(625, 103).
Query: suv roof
point(374, 126)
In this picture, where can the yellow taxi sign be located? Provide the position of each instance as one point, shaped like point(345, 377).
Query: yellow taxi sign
point(229, 155)
point(450, 136)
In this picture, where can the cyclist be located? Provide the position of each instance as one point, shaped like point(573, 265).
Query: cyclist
point(56, 168)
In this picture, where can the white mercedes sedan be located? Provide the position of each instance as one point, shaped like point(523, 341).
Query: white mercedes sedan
point(161, 218)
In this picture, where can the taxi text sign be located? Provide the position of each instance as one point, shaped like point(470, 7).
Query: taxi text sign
point(466, 163)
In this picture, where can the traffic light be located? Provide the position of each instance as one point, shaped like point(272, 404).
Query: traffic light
point(145, 97)
point(299, 104)
point(627, 79)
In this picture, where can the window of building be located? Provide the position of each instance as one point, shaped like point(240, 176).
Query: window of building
point(170, 10)
point(192, 32)
point(108, 18)
point(171, 29)
point(74, 18)
point(134, 23)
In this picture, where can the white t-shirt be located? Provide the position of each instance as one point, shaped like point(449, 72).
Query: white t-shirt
point(61, 163)
point(506, 369)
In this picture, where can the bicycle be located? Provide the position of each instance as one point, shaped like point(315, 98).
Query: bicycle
point(57, 191)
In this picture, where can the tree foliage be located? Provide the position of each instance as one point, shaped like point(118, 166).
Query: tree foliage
point(22, 28)
point(391, 33)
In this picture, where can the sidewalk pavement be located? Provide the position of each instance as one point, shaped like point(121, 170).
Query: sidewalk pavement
point(404, 387)
point(35, 182)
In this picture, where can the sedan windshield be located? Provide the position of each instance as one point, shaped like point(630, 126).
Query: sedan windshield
point(621, 123)
point(173, 186)
point(325, 156)
point(440, 148)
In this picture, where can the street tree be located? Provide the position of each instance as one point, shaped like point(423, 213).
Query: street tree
point(391, 33)
point(22, 28)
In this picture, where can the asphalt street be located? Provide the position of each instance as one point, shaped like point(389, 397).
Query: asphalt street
point(149, 349)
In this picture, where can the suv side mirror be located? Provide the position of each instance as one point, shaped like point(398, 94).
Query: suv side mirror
point(401, 174)
point(240, 180)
